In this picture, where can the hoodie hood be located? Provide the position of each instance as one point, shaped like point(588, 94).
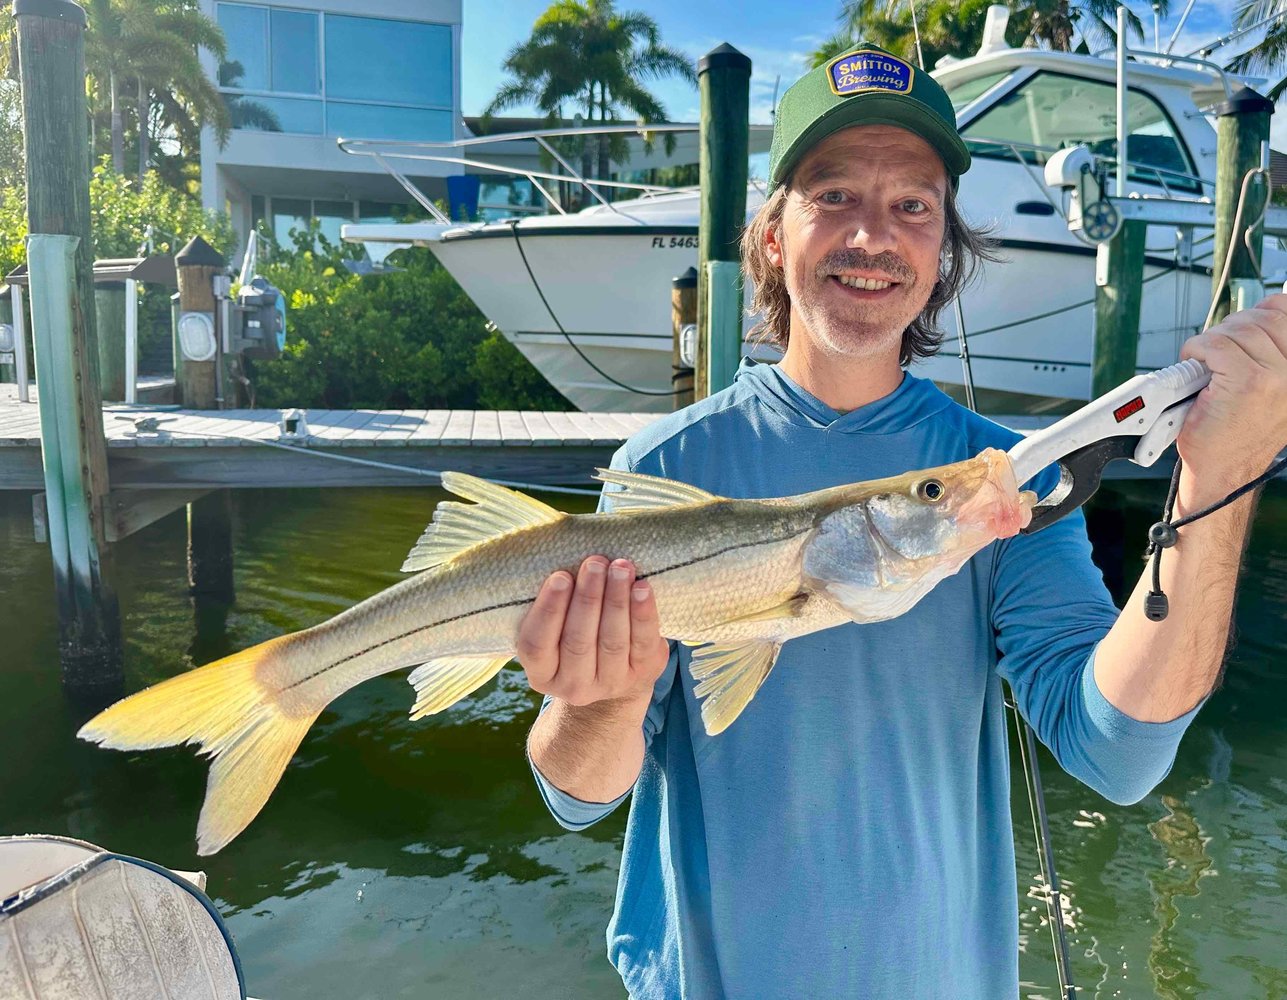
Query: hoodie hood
point(914, 400)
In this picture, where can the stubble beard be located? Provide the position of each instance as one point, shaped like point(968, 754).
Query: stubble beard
point(854, 329)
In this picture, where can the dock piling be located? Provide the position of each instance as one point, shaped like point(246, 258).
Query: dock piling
point(1242, 127)
point(197, 359)
point(1119, 290)
point(724, 82)
point(51, 60)
point(683, 324)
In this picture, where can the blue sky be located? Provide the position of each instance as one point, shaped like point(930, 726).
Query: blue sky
point(777, 36)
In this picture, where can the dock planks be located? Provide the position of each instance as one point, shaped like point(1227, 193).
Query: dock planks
point(193, 449)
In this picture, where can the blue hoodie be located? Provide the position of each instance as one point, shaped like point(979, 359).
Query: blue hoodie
point(849, 835)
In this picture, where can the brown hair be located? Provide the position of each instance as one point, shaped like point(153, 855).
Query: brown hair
point(965, 248)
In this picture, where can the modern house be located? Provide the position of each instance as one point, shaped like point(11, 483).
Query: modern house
point(299, 75)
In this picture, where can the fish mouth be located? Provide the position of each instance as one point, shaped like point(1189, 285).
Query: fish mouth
point(997, 507)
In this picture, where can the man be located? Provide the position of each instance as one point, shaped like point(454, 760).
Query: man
point(849, 835)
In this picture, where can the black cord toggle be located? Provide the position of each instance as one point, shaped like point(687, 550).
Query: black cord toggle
point(1165, 533)
point(1162, 535)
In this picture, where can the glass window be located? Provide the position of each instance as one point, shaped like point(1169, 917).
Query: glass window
point(330, 215)
point(289, 214)
point(398, 62)
point(1052, 111)
point(371, 121)
point(294, 52)
point(246, 30)
point(967, 91)
point(302, 116)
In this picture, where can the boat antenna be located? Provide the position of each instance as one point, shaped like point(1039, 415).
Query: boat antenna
point(1179, 27)
point(773, 107)
point(1028, 757)
point(920, 56)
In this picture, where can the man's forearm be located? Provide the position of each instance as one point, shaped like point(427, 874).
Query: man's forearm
point(594, 752)
point(1157, 671)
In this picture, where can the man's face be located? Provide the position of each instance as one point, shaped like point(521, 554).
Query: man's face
point(860, 238)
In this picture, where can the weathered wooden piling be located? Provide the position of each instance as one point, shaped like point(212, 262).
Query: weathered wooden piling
point(51, 59)
point(724, 83)
point(683, 316)
point(210, 577)
point(1241, 130)
point(1119, 290)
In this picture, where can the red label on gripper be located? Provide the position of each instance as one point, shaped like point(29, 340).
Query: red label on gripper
point(1126, 409)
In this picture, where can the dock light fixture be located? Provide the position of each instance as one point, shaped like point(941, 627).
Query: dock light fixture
point(6, 344)
point(197, 336)
point(293, 424)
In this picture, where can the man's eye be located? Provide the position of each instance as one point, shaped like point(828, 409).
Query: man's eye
point(832, 197)
point(914, 206)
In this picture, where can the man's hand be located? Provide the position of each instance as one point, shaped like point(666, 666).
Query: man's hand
point(1239, 422)
point(594, 639)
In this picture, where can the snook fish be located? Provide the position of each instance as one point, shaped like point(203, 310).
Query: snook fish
point(735, 578)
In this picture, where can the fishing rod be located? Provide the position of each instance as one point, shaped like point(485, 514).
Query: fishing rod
point(1028, 758)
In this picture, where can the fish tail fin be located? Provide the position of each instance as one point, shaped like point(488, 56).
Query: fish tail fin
point(234, 716)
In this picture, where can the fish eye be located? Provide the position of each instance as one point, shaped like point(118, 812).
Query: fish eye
point(931, 491)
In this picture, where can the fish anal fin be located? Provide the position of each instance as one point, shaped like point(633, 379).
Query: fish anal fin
point(727, 676)
point(642, 492)
point(441, 683)
point(496, 511)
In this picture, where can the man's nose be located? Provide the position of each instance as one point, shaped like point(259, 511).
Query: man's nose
point(873, 230)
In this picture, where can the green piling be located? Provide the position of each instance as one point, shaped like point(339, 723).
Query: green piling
point(51, 59)
point(109, 309)
point(1242, 128)
point(724, 83)
point(1119, 289)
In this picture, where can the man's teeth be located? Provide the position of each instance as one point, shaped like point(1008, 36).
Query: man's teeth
point(866, 284)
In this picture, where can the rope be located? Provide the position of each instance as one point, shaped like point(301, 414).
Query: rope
point(405, 469)
point(513, 227)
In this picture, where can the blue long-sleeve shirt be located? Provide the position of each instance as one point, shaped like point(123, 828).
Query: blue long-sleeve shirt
point(849, 835)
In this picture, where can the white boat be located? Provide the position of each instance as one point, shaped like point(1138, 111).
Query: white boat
point(585, 296)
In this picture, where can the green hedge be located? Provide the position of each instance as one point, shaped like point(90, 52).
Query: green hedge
point(407, 338)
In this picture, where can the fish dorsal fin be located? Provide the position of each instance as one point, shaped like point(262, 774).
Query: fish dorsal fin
point(441, 683)
point(728, 674)
point(641, 492)
point(459, 526)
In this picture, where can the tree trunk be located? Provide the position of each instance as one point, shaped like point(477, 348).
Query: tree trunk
point(587, 157)
point(145, 131)
point(118, 127)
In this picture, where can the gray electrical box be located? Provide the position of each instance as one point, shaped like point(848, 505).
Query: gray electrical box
point(259, 321)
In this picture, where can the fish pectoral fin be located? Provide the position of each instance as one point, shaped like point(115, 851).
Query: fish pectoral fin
point(441, 683)
point(641, 492)
point(459, 526)
point(727, 676)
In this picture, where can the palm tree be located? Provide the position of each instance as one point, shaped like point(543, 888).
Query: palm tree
point(1268, 55)
point(956, 29)
point(154, 45)
point(587, 55)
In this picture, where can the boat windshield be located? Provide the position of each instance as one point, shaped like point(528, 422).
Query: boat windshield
point(1053, 110)
point(968, 91)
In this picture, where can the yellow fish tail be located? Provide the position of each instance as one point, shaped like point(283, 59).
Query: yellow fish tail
point(233, 716)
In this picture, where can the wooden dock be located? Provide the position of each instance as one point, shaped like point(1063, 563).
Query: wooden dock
point(158, 448)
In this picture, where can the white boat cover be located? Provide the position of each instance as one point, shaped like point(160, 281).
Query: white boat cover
point(81, 923)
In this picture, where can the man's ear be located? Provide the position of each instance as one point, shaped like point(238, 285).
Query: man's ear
point(773, 247)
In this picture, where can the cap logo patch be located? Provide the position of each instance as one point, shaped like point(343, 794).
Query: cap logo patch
point(869, 70)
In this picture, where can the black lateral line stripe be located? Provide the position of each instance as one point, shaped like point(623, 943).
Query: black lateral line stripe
point(509, 604)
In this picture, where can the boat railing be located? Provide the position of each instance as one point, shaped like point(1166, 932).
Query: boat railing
point(1180, 181)
point(385, 150)
point(1168, 60)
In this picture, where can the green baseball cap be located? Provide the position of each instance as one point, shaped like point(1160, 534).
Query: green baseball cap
point(865, 86)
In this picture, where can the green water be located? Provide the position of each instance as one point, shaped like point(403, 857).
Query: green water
point(416, 860)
